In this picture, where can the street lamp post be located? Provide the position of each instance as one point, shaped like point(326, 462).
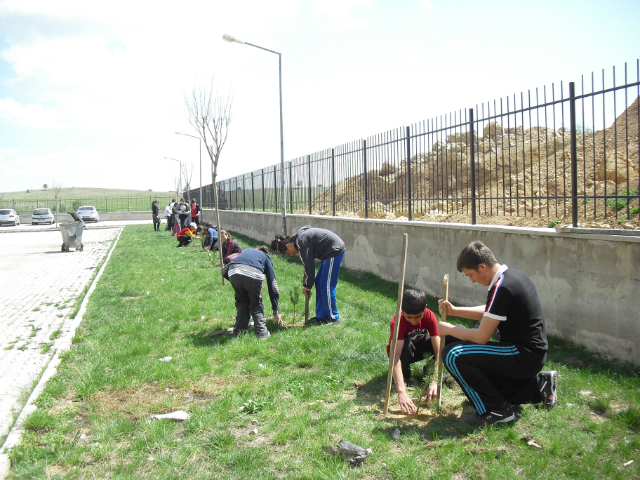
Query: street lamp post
point(200, 140)
point(229, 38)
point(180, 162)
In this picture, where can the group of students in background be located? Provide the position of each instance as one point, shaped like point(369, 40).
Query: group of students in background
point(178, 214)
point(494, 375)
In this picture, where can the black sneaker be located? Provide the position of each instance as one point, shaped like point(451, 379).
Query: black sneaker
point(494, 417)
point(322, 321)
point(547, 385)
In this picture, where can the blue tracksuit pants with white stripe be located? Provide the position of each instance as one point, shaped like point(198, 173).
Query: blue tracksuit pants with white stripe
point(325, 283)
point(494, 374)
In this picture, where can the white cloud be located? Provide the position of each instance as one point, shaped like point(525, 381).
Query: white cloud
point(13, 114)
point(426, 4)
point(339, 13)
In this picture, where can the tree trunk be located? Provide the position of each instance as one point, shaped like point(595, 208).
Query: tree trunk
point(215, 194)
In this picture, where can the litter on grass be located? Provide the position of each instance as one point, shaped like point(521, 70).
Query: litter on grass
point(396, 434)
point(165, 359)
point(179, 415)
point(348, 451)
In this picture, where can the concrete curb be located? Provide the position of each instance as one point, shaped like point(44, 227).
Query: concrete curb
point(62, 345)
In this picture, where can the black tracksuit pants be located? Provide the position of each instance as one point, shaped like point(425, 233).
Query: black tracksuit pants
point(495, 374)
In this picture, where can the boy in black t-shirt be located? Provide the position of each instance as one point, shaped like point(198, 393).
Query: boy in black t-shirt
point(496, 375)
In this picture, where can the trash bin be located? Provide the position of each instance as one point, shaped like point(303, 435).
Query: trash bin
point(72, 233)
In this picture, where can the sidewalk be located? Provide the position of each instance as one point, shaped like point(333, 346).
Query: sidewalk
point(40, 286)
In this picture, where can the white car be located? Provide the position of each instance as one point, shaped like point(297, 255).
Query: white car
point(89, 212)
point(8, 216)
point(42, 215)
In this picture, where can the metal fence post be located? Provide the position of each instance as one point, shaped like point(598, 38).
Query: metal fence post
point(473, 167)
point(366, 183)
point(333, 182)
point(106, 208)
point(263, 200)
point(244, 194)
point(409, 170)
point(310, 204)
point(574, 156)
point(275, 187)
point(291, 186)
point(253, 194)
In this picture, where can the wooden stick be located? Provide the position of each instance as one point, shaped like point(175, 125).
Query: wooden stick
point(307, 297)
point(394, 338)
point(445, 296)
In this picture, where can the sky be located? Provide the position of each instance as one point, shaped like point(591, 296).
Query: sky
point(92, 93)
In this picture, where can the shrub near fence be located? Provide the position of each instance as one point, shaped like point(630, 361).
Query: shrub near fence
point(102, 204)
point(538, 158)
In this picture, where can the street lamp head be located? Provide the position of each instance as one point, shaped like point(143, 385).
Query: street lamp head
point(229, 38)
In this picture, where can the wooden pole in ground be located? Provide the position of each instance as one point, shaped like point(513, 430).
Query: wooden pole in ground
point(445, 296)
point(307, 296)
point(394, 338)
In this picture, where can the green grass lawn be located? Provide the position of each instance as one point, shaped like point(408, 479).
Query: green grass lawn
point(263, 409)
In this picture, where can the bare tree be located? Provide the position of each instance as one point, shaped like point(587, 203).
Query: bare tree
point(176, 185)
point(210, 115)
point(187, 174)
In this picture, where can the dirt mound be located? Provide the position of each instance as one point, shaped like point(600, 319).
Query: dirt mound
point(518, 175)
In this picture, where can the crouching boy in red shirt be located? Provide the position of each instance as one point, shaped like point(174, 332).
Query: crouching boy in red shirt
point(417, 338)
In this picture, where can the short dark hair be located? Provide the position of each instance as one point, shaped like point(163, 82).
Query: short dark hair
point(413, 301)
point(473, 255)
point(279, 243)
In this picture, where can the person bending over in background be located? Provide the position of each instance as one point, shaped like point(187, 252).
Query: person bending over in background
point(246, 273)
point(497, 375)
point(310, 243)
point(186, 235)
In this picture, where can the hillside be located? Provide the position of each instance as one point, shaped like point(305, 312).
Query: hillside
point(41, 194)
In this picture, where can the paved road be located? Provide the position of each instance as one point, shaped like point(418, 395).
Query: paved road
point(39, 286)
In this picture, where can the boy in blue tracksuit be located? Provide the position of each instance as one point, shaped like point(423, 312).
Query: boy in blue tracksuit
point(317, 243)
point(246, 273)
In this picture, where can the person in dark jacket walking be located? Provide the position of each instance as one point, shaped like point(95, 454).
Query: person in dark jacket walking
point(310, 243)
point(155, 215)
point(246, 273)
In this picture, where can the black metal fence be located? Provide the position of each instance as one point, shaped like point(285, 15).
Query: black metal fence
point(25, 206)
point(550, 154)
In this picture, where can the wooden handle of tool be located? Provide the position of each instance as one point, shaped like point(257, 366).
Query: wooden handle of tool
point(445, 296)
point(396, 328)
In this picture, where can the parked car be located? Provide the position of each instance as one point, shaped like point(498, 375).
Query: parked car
point(8, 216)
point(89, 212)
point(42, 215)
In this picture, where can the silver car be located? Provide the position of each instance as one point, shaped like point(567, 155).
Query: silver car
point(8, 216)
point(89, 212)
point(42, 215)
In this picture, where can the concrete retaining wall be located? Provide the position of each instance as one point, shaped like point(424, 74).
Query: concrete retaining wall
point(589, 284)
